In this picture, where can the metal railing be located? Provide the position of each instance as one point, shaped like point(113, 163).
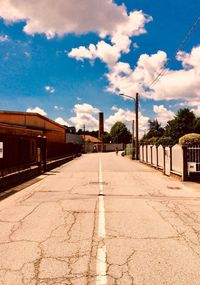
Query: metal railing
point(193, 158)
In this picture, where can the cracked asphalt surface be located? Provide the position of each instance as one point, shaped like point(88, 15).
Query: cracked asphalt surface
point(49, 230)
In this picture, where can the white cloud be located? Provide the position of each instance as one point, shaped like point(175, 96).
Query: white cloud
point(58, 108)
point(85, 114)
point(119, 37)
point(124, 80)
point(135, 46)
point(126, 116)
point(49, 89)
point(183, 84)
point(163, 115)
point(4, 38)
point(36, 110)
point(104, 51)
point(78, 16)
point(190, 60)
point(61, 121)
point(196, 110)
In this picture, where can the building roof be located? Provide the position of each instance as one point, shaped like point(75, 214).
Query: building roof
point(30, 114)
point(18, 130)
point(89, 138)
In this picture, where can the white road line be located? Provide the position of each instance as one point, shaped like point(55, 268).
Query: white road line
point(101, 252)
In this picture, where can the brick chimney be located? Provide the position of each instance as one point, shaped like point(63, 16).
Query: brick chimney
point(101, 125)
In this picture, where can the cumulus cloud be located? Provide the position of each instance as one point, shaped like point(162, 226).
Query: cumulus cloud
point(119, 40)
point(36, 110)
point(78, 16)
point(104, 51)
point(196, 111)
point(61, 121)
point(122, 79)
point(190, 60)
point(126, 116)
point(49, 89)
point(85, 114)
point(163, 115)
point(183, 84)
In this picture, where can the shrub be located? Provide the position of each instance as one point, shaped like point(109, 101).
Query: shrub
point(165, 141)
point(190, 139)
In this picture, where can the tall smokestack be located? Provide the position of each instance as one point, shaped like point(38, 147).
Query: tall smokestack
point(101, 125)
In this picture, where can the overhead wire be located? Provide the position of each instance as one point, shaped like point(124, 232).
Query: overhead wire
point(181, 45)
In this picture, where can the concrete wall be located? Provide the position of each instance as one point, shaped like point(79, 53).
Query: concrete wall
point(149, 153)
point(160, 157)
point(112, 146)
point(173, 162)
point(145, 153)
point(177, 159)
point(154, 155)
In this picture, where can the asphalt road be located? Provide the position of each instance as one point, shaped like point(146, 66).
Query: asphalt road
point(101, 219)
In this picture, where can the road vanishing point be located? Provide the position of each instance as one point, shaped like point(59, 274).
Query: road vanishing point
point(101, 219)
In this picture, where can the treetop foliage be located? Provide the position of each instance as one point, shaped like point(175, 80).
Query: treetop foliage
point(120, 134)
point(183, 123)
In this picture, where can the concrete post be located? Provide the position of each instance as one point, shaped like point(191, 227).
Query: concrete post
point(185, 167)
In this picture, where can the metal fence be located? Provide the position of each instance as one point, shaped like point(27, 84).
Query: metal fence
point(17, 153)
point(22, 152)
point(193, 159)
point(58, 150)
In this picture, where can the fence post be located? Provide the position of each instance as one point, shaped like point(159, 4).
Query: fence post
point(44, 153)
point(170, 153)
point(157, 156)
point(185, 167)
point(39, 152)
point(143, 153)
point(146, 153)
point(164, 167)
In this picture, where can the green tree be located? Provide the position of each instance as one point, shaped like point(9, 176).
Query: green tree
point(165, 141)
point(182, 124)
point(106, 137)
point(155, 131)
point(197, 126)
point(120, 134)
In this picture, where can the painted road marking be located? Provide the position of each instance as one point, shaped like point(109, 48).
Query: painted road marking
point(101, 252)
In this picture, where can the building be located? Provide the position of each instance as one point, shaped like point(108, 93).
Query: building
point(31, 124)
point(92, 144)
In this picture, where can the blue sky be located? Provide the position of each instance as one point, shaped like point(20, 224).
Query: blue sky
point(43, 68)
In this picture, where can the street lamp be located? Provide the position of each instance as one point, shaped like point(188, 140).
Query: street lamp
point(136, 122)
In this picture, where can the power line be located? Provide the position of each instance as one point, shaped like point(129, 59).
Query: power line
point(181, 45)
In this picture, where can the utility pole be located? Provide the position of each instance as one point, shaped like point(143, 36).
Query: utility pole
point(84, 136)
point(136, 105)
point(136, 123)
point(133, 138)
